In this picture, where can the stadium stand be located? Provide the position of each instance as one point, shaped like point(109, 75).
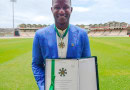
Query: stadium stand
point(91, 33)
point(28, 30)
point(106, 32)
point(98, 33)
point(114, 33)
point(96, 30)
point(6, 32)
point(123, 33)
point(23, 34)
point(109, 29)
point(27, 34)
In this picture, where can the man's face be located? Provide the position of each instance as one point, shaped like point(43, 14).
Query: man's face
point(61, 10)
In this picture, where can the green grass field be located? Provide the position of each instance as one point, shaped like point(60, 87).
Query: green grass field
point(113, 63)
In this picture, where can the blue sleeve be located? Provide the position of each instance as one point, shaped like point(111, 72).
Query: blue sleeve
point(37, 63)
point(86, 47)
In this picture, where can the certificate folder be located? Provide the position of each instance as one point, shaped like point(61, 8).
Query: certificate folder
point(71, 74)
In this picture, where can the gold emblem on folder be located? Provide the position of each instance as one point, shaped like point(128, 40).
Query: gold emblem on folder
point(62, 72)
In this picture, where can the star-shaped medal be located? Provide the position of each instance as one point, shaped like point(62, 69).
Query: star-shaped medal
point(61, 45)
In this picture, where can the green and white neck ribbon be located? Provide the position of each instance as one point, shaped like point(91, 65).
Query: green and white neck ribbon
point(63, 34)
point(52, 86)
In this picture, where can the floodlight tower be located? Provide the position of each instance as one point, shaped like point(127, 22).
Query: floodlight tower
point(13, 1)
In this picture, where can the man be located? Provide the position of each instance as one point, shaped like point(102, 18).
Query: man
point(60, 40)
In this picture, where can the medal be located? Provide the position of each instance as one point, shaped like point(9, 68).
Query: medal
point(61, 44)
